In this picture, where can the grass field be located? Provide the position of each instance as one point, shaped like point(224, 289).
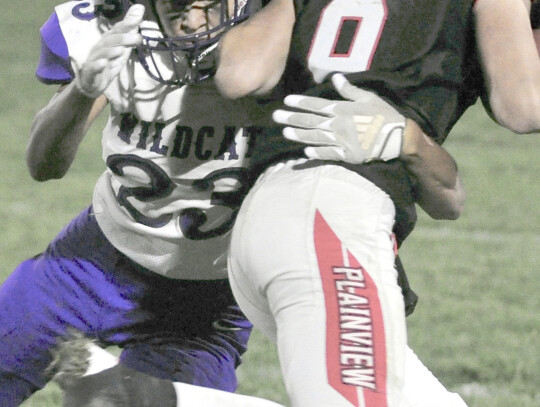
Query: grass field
point(477, 325)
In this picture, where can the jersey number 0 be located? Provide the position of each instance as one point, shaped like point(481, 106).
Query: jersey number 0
point(346, 37)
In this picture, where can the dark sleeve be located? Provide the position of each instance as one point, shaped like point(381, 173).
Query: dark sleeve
point(299, 6)
point(53, 65)
point(535, 15)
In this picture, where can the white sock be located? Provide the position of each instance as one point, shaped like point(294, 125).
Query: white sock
point(188, 395)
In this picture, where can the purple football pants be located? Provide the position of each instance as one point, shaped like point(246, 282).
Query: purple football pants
point(187, 331)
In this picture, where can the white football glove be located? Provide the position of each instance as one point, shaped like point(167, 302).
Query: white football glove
point(359, 129)
point(110, 54)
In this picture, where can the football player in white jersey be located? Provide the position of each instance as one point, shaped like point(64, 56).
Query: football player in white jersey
point(144, 266)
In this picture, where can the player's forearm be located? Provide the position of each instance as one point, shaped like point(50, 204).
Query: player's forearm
point(439, 189)
point(252, 55)
point(57, 131)
point(510, 63)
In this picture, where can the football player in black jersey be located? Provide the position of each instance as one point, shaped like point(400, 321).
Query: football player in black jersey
point(320, 279)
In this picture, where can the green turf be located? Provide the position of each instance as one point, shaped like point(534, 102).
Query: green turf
point(477, 326)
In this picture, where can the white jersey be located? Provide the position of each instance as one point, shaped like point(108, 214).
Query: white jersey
point(176, 162)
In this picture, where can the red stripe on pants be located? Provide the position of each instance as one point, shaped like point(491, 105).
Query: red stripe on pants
point(355, 335)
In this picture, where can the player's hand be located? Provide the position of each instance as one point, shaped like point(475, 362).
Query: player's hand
point(107, 58)
point(359, 129)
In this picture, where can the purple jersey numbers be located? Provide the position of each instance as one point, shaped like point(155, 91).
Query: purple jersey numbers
point(84, 11)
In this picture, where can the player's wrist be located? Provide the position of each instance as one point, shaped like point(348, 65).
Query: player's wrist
point(82, 93)
point(85, 86)
point(413, 138)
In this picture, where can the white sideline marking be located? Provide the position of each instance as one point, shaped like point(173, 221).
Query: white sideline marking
point(478, 235)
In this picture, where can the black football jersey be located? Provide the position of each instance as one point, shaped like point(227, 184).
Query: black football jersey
point(419, 55)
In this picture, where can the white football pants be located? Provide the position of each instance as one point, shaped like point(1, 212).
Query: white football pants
point(312, 266)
